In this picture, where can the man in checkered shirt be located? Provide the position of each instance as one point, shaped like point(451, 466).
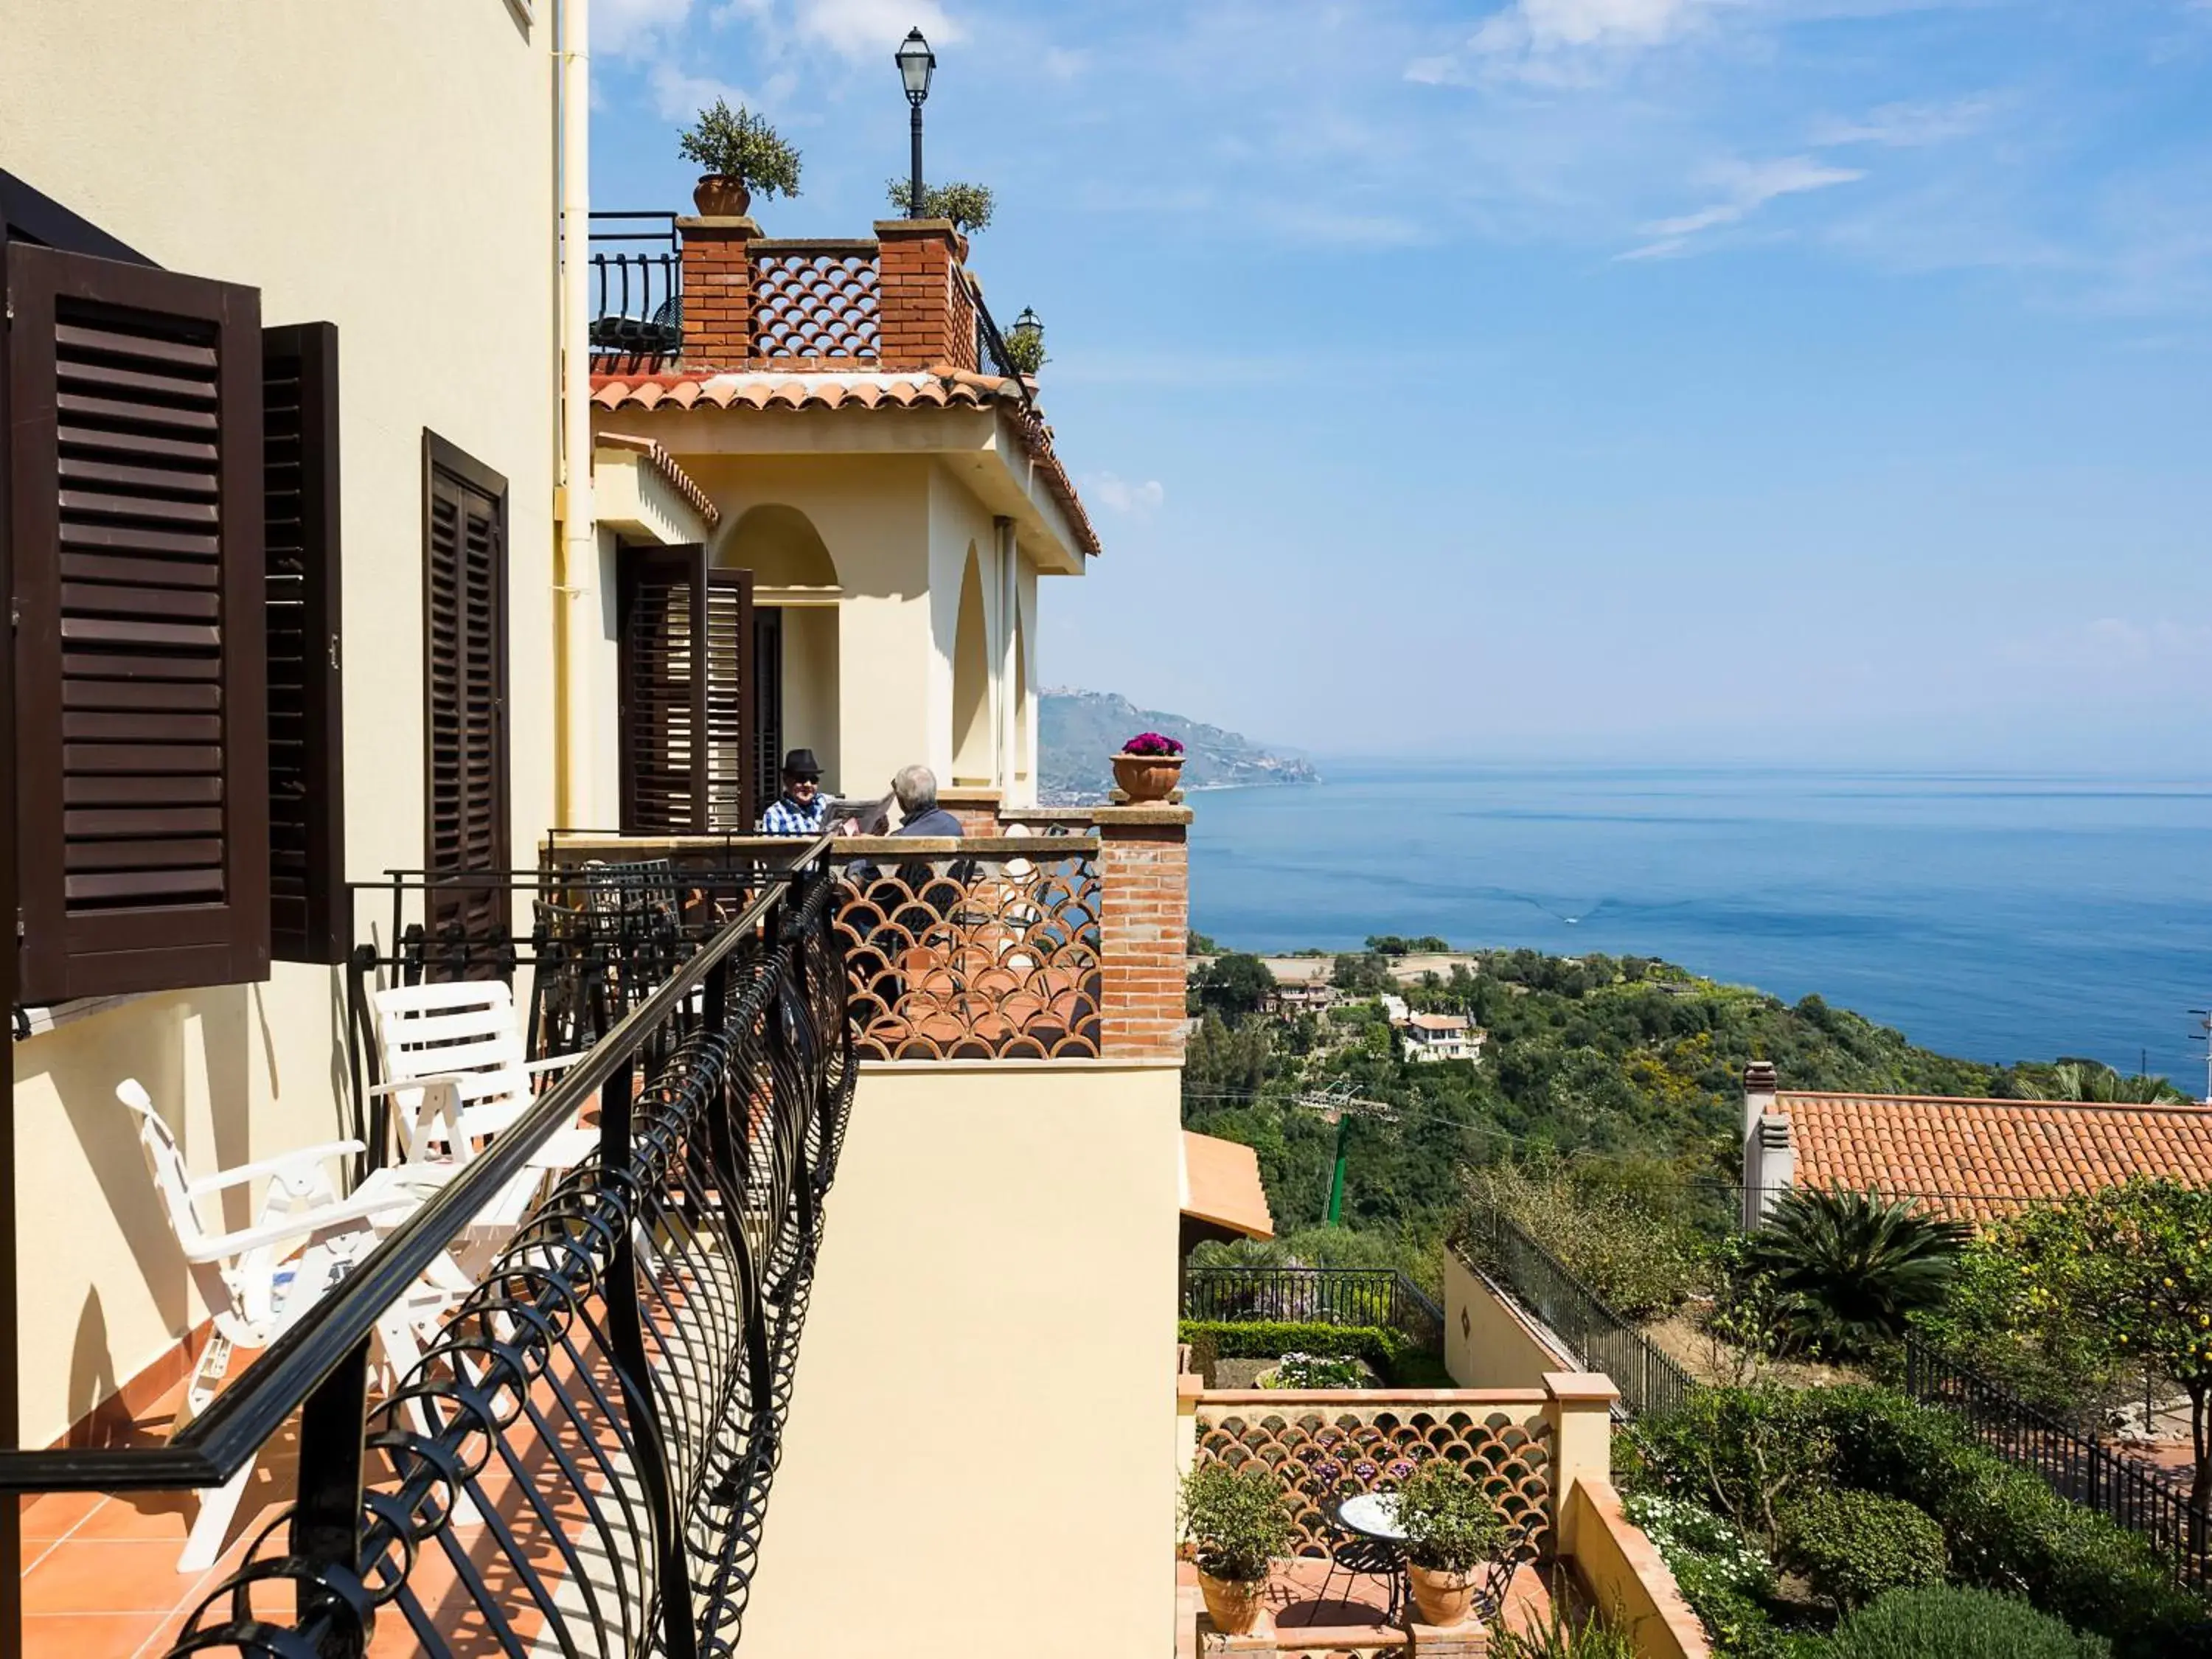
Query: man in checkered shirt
point(802, 808)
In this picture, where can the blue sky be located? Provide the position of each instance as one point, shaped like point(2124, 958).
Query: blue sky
point(1824, 380)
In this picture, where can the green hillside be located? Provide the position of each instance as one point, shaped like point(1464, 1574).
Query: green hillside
point(1076, 731)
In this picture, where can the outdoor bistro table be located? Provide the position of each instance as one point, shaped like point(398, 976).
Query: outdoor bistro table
point(1379, 1543)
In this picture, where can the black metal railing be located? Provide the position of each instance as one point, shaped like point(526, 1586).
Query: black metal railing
point(581, 1461)
point(1649, 1380)
point(2124, 1489)
point(1380, 1297)
point(991, 346)
point(637, 290)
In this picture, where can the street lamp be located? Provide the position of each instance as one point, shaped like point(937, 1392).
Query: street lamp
point(915, 61)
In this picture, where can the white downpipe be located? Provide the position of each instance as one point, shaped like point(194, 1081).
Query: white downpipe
point(577, 632)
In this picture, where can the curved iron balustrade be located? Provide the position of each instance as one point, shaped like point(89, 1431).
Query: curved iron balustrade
point(581, 1461)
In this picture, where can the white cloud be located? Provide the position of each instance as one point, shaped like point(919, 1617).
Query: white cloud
point(858, 28)
point(1749, 186)
point(1911, 126)
point(680, 95)
point(1118, 495)
point(1568, 42)
point(620, 27)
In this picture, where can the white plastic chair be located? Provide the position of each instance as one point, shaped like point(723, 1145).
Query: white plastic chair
point(452, 1056)
point(257, 1281)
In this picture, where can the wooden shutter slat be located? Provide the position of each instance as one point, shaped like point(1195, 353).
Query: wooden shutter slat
point(136, 400)
point(465, 639)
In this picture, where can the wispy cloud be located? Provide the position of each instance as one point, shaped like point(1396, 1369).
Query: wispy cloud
point(1565, 42)
point(623, 28)
point(1911, 126)
point(1750, 187)
point(1118, 495)
point(677, 94)
point(858, 29)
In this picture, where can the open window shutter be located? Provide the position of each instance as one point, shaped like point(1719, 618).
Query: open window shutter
point(465, 651)
point(134, 458)
point(767, 682)
point(684, 661)
point(661, 653)
point(309, 917)
point(733, 782)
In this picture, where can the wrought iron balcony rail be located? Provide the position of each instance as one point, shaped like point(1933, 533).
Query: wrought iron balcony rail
point(637, 290)
point(1378, 1297)
point(581, 1459)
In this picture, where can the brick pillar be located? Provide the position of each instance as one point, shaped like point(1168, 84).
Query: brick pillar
point(718, 292)
point(1144, 928)
point(921, 317)
point(976, 809)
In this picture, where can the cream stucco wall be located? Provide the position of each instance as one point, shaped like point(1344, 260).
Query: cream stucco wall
point(898, 528)
point(991, 1328)
point(1487, 1344)
point(388, 168)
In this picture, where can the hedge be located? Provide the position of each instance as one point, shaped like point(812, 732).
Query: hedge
point(1947, 1623)
point(2004, 1528)
point(1395, 1357)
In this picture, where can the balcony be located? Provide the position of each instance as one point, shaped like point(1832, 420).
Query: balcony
point(580, 1459)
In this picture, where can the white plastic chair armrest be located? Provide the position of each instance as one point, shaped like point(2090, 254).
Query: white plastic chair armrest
point(427, 1080)
point(281, 1165)
point(552, 1063)
point(300, 1224)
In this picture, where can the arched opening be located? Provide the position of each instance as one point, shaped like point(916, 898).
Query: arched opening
point(972, 759)
point(795, 593)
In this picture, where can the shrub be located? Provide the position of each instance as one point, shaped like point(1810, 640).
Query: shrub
point(1237, 1518)
point(1849, 1268)
point(1315, 1371)
point(1392, 1355)
point(1947, 1623)
point(1205, 1352)
point(1635, 1260)
point(1722, 1575)
point(742, 146)
point(969, 206)
point(1449, 1523)
point(1740, 1451)
point(1855, 1546)
point(1561, 1637)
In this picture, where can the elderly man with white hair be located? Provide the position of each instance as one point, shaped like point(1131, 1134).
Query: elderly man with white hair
point(915, 786)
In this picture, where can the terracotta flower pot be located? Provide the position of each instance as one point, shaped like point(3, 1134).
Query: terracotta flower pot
point(719, 198)
point(1444, 1598)
point(1233, 1604)
point(1147, 777)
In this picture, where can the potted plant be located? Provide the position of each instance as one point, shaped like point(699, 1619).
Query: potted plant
point(1148, 767)
point(1451, 1529)
point(741, 153)
point(1238, 1523)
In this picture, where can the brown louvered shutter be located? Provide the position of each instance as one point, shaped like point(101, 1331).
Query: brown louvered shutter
point(309, 917)
point(732, 790)
point(465, 700)
point(684, 663)
point(140, 728)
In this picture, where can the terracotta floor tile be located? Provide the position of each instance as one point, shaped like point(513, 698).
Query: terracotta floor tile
point(124, 1576)
point(55, 1514)
point(87, 1635)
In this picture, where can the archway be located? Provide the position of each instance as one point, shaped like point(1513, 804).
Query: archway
point(795, 594)
point(973, 761)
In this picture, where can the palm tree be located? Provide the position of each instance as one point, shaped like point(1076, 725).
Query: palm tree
point(2091, 1080)
point(1847, 1267)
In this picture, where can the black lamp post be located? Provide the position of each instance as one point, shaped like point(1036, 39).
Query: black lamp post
point(916, 62)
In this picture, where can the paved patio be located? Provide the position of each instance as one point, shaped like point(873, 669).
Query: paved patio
point(1352, 1619)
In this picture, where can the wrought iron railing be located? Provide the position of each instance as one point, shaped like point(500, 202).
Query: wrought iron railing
point(1649, 1380)
point(2124, 1489)
point(1378, 1297)
point(637, 290)
point(991, 344)
point(581, 1461)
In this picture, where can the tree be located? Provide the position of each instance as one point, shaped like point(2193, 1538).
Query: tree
point(742, 146)
point(1233, 986)
point(1366, 974)
point(2129, 1270)
point(2089, 1080)
point(969, 206)
point(1849, 1268)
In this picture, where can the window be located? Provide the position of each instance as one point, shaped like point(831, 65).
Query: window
point(686, 669)
point(464, 688)
point(134, 458)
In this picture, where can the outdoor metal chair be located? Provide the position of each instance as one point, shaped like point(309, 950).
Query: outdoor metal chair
point(1520, 1546)
point(257, 1281)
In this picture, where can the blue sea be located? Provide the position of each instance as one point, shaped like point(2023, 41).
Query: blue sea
point(1996, 917)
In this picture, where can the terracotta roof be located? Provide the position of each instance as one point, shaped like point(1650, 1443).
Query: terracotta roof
point(940, 387)
point(663, 464)
point(1438, 1022)
point(1221, 1186)
point(1980, 1158)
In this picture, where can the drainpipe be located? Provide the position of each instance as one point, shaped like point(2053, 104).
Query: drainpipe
point(577, 588)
